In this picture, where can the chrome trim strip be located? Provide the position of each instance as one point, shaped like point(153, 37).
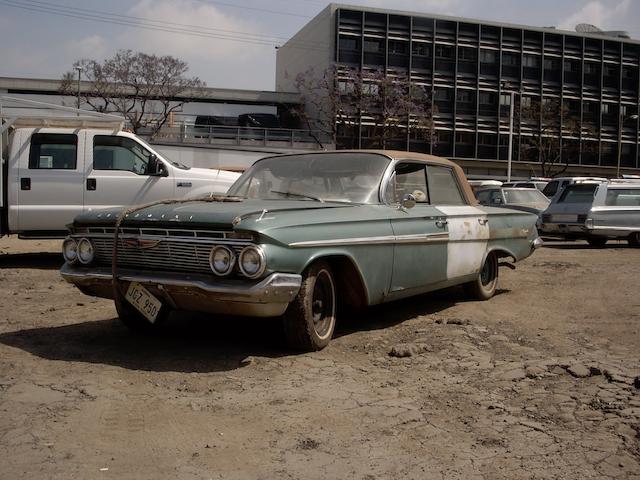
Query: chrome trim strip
point(192, 240)
point(383, 240)
point(624, 229)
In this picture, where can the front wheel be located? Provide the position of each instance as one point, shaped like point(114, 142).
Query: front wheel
point(634, 239)
point(597, 242)
point(310, 318)
point(484, 286)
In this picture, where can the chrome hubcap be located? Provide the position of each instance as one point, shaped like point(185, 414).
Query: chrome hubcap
point(322, 304)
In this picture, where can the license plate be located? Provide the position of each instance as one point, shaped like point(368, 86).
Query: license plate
point(144, 301)
point(565, 218)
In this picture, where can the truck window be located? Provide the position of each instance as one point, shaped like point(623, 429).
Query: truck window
point(443, 187)
point(578, 193)
point(53, 151)
point(111, 152)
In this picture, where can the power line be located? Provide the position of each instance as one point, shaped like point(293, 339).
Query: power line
point(138, 22)
point(74, 9)
point(255, 9)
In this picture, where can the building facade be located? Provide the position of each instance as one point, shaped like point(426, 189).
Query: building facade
point(471, 68)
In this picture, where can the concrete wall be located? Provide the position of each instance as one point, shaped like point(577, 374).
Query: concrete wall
point(313, 46)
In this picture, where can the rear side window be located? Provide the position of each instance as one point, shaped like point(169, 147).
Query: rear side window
point(443, 187)
point(578, 193)
point(623, 197)
point(551, 188)
point(53, 151)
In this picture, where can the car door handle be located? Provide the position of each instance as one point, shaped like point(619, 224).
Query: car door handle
point(441, 223)
point(184, 184)
point(483, 221)
point(91, 184)
point(25, 183)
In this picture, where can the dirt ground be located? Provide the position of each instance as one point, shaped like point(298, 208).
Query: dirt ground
point(539, 382)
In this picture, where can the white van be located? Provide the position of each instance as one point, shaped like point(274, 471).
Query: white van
point(51, 174)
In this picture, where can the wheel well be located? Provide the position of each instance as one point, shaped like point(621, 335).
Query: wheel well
point(503, 254)
point(348, 280)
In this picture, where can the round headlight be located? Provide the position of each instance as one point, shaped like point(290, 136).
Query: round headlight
point(85, 251)
point(70, 250)
point(252, 262)
point(222, 260)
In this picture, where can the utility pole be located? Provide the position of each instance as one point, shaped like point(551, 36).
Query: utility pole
point(79, 69)
point(510, 148)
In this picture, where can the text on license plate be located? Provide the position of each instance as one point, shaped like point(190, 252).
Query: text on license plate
point(565, 218)
point(144, 301)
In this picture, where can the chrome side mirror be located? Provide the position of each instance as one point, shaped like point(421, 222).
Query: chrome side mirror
point(408, 201)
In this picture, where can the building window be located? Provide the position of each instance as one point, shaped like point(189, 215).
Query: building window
point(442, 94)
point(591, 68)
point(551, 64)
point(420, 49)
point(531, 61)
point(611, 70)
point(505, 99)
point(398, 47)
point(465, 96)
point(510, 59)
point(487, 98)
point(373, 46)
point(467, 54)
point(444, 52)
point(488, 56)
point(525, 102)
point(348, 43)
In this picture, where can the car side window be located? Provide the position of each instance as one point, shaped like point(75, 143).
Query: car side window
point(53, 151)
point(112, 152)
point(443, 186)
point(623, 197)
point(408, 178)
point(551, 188)
point(483, 196)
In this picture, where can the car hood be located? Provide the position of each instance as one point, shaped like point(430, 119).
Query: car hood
point(220, 212)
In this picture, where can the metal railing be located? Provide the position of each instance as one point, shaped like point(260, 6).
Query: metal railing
point(242, 136)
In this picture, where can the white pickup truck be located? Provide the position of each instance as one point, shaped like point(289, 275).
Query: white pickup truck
point(51, 174)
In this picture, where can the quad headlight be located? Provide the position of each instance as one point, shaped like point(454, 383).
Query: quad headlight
point(85, 251)
point(70, 250)
point(222, 259)
point(252, 261)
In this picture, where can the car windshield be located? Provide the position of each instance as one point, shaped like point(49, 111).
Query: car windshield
point(578, 193)
point(525, 196)
point(341, 177)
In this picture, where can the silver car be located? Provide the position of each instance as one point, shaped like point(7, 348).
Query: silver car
point(596, 212)
point(529, 200)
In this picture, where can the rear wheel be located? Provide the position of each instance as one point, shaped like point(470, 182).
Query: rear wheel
point(597, 242)
point(310, 319)
point(634, 239)
point(484, 287)
point(135, 321)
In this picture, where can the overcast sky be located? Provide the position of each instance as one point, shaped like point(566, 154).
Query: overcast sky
point(42, 38)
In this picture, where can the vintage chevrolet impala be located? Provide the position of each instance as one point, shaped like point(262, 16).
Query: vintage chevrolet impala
point(295, 236)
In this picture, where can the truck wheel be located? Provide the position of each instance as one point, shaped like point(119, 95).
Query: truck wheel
point(597, 242)
point(634, 239)
point(484, 287)
point(135, 321)
point(311, 317)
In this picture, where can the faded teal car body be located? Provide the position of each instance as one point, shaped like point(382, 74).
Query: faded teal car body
point(379, 251)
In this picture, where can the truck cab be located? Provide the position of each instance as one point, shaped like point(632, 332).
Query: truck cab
point(53, 174)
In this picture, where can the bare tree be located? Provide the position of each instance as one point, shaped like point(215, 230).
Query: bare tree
point(144, 88)
point(340, 101)
point(550, 136)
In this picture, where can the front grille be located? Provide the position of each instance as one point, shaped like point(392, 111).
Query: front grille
point(188, 253)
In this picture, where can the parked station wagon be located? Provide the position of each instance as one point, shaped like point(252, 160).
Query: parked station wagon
point(596, 212)
point(297, 235)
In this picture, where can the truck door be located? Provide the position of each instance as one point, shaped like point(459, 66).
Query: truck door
point(119, 173)
point(49, 183)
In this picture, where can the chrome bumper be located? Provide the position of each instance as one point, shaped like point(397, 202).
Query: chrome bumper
point(268, 297)
point(537, 243)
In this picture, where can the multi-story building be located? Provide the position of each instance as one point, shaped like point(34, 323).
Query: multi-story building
point(471, 67)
